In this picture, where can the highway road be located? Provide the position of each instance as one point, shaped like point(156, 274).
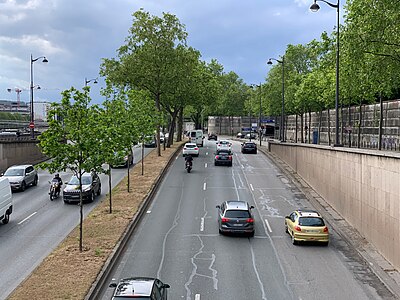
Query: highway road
point(178, 240)
point(37, 225)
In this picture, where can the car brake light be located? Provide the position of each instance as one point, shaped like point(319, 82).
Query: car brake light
point(196, 148)
point(326, 229)
point(230, 157)
point(217, 157)
point(250, 220)
point(224, 220)
point(297, 228)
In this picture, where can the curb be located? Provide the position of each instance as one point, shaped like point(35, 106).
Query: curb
point(98, 284)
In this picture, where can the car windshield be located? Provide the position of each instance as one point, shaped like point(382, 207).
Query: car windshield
point(311, 221)
point(85, 180)
point(14, 172)
point(237, 214)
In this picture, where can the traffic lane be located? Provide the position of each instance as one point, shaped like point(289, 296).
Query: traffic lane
point(253, 261)
point(313, 271)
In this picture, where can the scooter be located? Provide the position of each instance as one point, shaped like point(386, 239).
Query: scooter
point(188, 166)
point(54, 186)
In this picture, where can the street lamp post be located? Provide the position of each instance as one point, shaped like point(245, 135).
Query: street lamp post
point(314, 8)
point(259, 125)
point(32, 122)
point(282, 62)
point(90, 80)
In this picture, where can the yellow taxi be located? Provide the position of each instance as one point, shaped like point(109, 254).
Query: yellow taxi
point(306, 225)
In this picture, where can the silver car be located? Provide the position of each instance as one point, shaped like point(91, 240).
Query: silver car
point(235, 217)
point(21, 176)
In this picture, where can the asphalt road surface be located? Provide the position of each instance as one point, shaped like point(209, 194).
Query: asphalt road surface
point(178, 240)
point(37, 225)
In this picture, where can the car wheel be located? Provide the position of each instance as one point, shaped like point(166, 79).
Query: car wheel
point(35, 181)
point(23, 186)
point(6, 218)
point(294, 242)
point(66, 201)
point(92, 196)
point(252, 234)
point(255, 152)
point(286, 229)
point(219, 230)
point(99, 191)
point(215, 164)
point(326, 244)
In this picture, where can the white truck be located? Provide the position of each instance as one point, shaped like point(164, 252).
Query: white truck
point(6, 205)
point(196, 136)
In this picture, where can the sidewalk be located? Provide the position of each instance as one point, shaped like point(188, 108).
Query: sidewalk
point(378, 264)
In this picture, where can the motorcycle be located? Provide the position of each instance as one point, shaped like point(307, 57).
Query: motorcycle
point(54, 190)
point(188, 166)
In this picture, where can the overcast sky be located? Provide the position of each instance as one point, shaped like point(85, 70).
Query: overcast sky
point(75, 35)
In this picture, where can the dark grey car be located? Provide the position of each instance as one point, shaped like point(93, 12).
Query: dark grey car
point(235, 217)
point(91, 186)
point(140, 288)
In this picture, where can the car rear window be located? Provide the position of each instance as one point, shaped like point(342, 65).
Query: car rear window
point(311, 221)
point(190, 146)
point(237, 214)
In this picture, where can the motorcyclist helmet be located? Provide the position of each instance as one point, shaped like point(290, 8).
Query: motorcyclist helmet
point(56, 175)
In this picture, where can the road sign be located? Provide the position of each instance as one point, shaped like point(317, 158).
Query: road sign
point(31, 125)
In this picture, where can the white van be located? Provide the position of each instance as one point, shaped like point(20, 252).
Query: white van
point(196, 136)
point(6, 206)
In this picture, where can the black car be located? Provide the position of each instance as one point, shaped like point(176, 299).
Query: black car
point(223, 157)
point(140, 288)
point(235, 217)
point(249, 147)
point(212, 136)
point(91, 186)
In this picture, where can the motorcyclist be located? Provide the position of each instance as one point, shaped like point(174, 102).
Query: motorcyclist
point(188, 159)
point(58, 179)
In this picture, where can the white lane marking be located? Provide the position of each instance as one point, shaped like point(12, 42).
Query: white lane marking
point(202, 224)
point(28, 217)
point(269, 227)
point(205, 165)
point(204, 186)
point(251, 186)
point(149, 211)
point(206, 153)
point(197, 297)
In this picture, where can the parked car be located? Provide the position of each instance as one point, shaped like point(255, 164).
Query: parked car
point(140, 288)
point(306, 225)
point(239, 135)
point(190, 148)
point(249, 147)
point(21, 176)
point(223, 157)
point(235, 217)
point(212, 136)
point(91, 186)
point(224, 144)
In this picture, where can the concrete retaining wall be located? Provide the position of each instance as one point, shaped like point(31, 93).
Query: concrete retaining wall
point(362, 186)
point(23, 152)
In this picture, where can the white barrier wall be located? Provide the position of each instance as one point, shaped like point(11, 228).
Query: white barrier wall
point(362, 186)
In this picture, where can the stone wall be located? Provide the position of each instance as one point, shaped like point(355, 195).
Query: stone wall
point(363, 186)
point(19, 152)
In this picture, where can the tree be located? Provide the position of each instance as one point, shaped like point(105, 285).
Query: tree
point(146, 61)
point(71, 141)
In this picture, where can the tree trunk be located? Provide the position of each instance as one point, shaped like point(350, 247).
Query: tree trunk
point(302, 128)
point(309, 126)
point(158, 106)
point(319, 126)
point(179, 130)
point(329, 127)
point(110, 187)
point(296, 128)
